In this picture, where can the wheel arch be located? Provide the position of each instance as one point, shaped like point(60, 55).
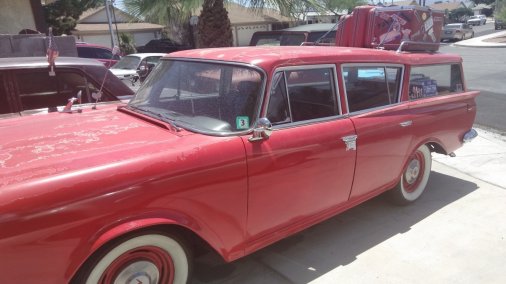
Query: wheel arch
point(434, 145)
point(128, 229)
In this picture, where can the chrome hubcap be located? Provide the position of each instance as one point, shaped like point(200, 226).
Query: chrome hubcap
point(139, 272)
point(412, 171)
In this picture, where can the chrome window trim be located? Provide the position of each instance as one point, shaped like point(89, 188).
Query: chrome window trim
point(334, 86)
point(380, 64)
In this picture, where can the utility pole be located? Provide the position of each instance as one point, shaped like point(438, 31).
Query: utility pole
point(108, 12)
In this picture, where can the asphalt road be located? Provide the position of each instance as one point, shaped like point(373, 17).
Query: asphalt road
point(485, 70)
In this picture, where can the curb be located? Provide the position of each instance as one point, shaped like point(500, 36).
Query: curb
point(478, 41)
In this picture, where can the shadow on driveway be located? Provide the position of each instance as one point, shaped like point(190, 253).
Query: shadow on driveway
point(336, 242)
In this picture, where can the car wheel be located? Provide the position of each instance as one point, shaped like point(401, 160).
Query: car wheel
point(146, 258)
point(414, 177)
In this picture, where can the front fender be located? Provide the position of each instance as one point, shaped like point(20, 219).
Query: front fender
point(125, 228)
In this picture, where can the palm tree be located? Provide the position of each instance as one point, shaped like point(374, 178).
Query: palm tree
point(214, 24)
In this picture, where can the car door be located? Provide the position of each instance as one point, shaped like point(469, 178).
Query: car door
point(305, 168)
point(382, 124)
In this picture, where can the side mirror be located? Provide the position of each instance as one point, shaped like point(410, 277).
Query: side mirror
point(143, 70)
point(262, 131)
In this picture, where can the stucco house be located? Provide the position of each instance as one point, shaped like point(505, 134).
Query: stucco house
point(18, 15)
point(93, 27)
point(245, 21)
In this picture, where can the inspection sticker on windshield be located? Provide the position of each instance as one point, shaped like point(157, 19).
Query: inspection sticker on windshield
point(242, 122)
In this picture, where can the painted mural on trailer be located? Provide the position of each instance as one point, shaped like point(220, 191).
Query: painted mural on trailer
point(394, 27)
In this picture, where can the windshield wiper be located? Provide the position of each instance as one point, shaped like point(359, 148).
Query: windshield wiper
point(161, 116)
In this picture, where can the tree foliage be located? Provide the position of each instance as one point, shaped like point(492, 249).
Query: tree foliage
point(486, 2)
point(214, 25)
point(178, 12)
point(62, 15)
point(460, 15)
point(126, 44)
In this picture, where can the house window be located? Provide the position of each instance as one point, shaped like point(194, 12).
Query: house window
point(371, 86)
point(435, 80)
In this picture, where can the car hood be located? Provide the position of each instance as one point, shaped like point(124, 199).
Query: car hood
point(56, 144)
point(123, 72)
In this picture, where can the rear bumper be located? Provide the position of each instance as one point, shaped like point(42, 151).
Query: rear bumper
point(469, 135)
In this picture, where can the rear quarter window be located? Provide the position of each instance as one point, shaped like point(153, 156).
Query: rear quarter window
point(435, 80)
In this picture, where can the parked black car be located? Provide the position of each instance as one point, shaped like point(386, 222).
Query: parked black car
point(27, 88)
point(163, 45)
point(500, 24)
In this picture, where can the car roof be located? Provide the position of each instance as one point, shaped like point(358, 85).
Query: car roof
point(42, 61)
point(85, 44)
point(269, 57)
point(312, 27)
point(144, 55)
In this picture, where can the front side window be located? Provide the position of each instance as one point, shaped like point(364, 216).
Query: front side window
point(38, 90)
point(435, 80)
point(202, 96)
point(370, 87)
point(299, 95)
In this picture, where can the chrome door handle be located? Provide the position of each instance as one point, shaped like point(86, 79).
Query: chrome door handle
point(406, 123)
point(350, 141)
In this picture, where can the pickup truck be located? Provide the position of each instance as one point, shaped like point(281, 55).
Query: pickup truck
point(228, 149)
point(477, 20)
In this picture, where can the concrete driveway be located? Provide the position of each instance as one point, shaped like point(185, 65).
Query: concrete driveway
point(455, 233)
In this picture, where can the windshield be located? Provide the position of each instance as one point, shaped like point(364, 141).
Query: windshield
point(205, 97)
point(127, 62)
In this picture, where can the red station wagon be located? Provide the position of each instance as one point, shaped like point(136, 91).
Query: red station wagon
point(210, 146)
point(229, 148)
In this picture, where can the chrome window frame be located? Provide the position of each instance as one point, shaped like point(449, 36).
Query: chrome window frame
point(380, 64)
point(258, 110)
point(462, 79)
point(335, 90)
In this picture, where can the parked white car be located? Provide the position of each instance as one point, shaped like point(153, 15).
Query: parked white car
point(477, 20)
point(135, 67)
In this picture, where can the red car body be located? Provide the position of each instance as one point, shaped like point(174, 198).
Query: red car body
point(101, 53)
point(72, 183)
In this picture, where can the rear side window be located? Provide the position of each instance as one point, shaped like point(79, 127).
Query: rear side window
point(300, 95)
point(86, 52)
point(103, 53)
point(4, 104)
point(435, 80)
point(95, 53)
point(371, 86)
